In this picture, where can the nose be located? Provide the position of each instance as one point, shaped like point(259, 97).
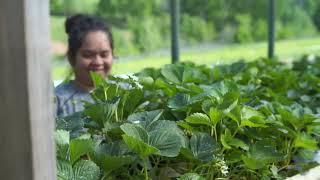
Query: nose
point(97, 60)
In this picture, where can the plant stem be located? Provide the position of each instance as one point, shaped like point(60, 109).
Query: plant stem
point(117, 120)
point(235, 132)
point(188, 111)
point(282, 168)
point(289, 152)
point(105, 94)
point(117, 89)
point(215, 133)
point(106, 174)
point(145, 170)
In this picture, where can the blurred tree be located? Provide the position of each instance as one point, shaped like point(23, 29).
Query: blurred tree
point(56, 6)
point(316, 17)
point(144, 24)
point(68, 7)
point(195, 29)
point(119, 12)
point(243, 30)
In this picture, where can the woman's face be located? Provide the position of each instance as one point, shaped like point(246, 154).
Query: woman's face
point(95, 55)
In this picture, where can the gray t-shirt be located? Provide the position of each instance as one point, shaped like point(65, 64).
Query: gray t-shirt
point(69, 99)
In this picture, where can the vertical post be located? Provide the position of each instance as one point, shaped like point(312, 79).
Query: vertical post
point(26, 110)
point(271, 28)
point(175, 22)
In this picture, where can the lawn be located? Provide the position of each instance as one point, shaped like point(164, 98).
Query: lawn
point(285, 50)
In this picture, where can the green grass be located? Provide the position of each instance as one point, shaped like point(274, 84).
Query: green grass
point(285, 50)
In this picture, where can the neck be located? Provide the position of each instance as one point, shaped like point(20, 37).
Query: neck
point(82, 86)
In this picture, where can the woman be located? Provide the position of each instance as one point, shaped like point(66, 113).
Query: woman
point(90, 48)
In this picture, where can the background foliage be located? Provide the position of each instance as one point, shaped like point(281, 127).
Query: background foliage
point(142, 26)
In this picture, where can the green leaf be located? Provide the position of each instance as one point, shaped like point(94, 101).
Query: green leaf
point(179, 74)
point(167, 141)
point(64, 170)
point(227, 141)
point(252, 118)
point(203, 146)
point(163, 125)
point(82, 170)
point(73, 123)
point(169, 89)
point(96, 79)
point(110, 163)
point(234, 155)
point(62, 137)
point(208, 97)
point(193, 75)
point(167, 137)
point(199, 118)
point(248, 113)
point(288, 116)
point(191, 176)
point(146, 81)
point(215, 115)
point(306, 141)
point(314, 129)
point(162, 135)
point(229, 102)
point(130, 100)
point(235, 114)
point(112, 156)
point(253, 162)
point(186, 153)
point(173, 73)
point(305, 155)
point(149, 72)
point(142, 149)
point(62, 140)
point(185, 126)
point(179, 101)
point(80, 147)
point(86, 170)
point(135, 131)
point(261, 154)
point(145, 119)
point(101, 112)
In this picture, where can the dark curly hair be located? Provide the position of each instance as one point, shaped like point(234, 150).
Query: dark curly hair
point(78, 26)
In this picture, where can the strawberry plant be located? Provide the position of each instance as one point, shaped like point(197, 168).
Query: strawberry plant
point(256, 120)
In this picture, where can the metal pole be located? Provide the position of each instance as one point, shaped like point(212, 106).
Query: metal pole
point(175, 21)
point(271, 28)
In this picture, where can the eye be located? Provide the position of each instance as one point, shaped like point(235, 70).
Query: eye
point(104, 54)
point(88, 54)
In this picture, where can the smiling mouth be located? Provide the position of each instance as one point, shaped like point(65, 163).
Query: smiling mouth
point(96, 69)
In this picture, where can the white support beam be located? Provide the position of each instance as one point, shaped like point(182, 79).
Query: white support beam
point(26, 110)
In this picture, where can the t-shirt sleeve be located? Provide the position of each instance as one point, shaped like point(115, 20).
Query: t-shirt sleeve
point(57, 105)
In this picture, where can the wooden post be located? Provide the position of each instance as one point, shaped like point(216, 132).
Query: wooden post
point(26, 110)
point(271, 28)
point(175, 24)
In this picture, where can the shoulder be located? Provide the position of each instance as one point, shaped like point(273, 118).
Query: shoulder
point(69, 99)
point(65, 89)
